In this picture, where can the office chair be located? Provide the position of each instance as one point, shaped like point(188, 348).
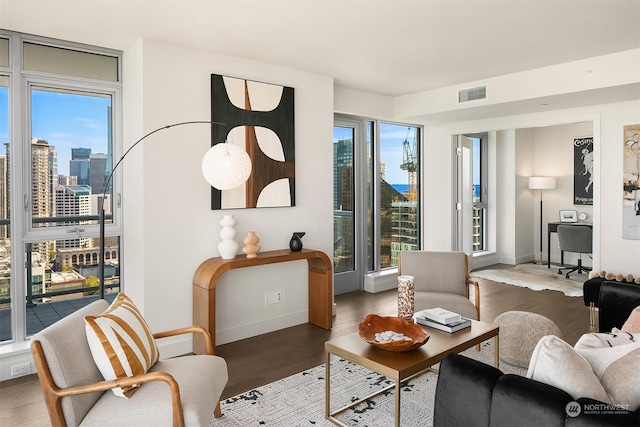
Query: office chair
point(575, 238)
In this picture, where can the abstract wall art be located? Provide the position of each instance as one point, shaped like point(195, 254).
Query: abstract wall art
point(631, 183)
point(259, 117)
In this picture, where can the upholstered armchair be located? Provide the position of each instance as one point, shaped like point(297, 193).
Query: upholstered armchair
point(174, 392)
point(441, 279)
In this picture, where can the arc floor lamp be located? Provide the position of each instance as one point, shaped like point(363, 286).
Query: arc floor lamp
point(541, 183)
point(225, 166)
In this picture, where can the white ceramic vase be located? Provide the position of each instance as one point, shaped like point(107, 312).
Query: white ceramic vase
point(228, 247)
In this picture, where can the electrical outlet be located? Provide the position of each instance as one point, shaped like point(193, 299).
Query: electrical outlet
point(280, 296)
point(269, 298)
point(21, 369)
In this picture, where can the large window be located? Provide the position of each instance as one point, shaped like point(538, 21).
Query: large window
point(376, 196)
point(59, 121)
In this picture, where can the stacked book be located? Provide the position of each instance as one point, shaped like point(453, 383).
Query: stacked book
point(441, 319)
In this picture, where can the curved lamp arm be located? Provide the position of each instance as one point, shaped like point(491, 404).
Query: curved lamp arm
point(225, 166)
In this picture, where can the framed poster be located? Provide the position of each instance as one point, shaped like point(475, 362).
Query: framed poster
point(258, 117)
point(631, 183)
point(583, 171)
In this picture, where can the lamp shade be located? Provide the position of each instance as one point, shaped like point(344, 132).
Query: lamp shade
point(542, 183)
point(226, 166)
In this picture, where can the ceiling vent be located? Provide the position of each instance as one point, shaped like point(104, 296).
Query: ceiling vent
point(472, 94)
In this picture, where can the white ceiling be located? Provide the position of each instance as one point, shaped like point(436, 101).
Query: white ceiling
point(390, 47)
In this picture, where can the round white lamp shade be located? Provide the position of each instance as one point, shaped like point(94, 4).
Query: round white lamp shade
point(226, 166)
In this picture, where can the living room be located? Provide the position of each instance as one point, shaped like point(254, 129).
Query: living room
point(167, 82)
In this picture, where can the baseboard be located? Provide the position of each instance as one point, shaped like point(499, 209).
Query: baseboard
point(264, 326)
point(381, 281)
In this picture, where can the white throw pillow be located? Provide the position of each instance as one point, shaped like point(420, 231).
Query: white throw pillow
point(618, 370)
point(556, 363)
point(121, 343)
point(602, 339)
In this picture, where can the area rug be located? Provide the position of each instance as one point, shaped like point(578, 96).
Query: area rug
point(299, 400)
point(536, 277)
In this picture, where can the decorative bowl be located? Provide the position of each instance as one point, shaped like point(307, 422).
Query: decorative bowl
point(374, 324)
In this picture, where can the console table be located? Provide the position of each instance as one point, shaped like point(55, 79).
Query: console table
point(553, 228)
point(207, 274)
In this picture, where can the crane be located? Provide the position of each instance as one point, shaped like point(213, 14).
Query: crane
point(409, 163)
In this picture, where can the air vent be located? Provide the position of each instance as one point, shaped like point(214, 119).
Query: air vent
point(472, 94)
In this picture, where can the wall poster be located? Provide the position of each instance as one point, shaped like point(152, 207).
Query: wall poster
point(583, 171)
point(631, 183)
point(259, 118)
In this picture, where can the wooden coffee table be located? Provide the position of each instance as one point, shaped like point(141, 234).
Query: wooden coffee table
point(401, 366)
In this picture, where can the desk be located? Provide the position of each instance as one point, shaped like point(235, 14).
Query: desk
point(552, 227)
point(207, 274)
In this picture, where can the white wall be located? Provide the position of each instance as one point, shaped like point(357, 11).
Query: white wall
point(170, 228)
point(611, 252)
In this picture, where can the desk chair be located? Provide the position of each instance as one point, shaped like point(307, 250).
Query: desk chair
point(575, 238)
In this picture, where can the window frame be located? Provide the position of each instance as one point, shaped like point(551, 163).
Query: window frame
point(19, 130)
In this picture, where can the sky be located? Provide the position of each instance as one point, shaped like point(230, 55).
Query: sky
point(391, 150)
point(65, 120)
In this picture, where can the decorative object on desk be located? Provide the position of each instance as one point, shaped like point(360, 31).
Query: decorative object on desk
point(439, 315)
point(374, 324)
point(541, 183)
point(251, 247)
point(295, 244)
point(259, 117)
point(583, 171)
point(228, 247)
point(406, 296)
point(631, 183)
point(224, 168)
point(568, 216)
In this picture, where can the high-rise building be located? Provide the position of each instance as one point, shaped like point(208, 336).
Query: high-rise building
point(97, 172)
point(73, 201)
point(79, 164)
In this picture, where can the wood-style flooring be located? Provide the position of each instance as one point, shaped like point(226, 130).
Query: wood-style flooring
point(263, 359)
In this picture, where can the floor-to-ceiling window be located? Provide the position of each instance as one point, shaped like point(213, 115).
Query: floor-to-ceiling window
point(59, 126)
point(376, 196)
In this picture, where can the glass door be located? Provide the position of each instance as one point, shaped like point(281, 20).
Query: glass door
point(348, 273)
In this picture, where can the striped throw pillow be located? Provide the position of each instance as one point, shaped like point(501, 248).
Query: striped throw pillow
point(121, 343)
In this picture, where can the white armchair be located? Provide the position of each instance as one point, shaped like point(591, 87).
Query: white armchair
point(175, 392)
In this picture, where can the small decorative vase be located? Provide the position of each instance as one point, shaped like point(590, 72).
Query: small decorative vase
point(295, 244)
point(406, 297)
point(251, 247)
point(228, 247)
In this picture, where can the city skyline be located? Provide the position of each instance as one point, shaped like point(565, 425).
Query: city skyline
point(65, 120)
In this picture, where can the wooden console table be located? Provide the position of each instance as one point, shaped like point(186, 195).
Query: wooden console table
point(207, 274)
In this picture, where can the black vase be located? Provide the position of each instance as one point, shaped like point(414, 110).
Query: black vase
point(295, 244)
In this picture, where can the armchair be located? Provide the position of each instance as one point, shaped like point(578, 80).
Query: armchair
point(441, 279)
point(180, 391)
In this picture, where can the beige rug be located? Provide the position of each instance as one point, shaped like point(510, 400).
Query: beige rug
point(536, 277)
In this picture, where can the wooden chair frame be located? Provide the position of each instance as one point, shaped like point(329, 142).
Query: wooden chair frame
point(53, 394)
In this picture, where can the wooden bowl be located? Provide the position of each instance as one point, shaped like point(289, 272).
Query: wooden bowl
point(373, 324)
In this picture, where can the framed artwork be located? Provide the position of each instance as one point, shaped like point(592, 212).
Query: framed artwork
point(631, 183)
point(258, 117)
point(568, 216)
point(583, 171)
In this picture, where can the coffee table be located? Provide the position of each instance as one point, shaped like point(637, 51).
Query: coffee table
point(401, 366)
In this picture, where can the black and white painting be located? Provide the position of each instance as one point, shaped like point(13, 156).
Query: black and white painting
point(583, 171)
point(631, 183)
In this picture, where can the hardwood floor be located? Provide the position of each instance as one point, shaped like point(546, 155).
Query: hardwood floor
point(260, 360)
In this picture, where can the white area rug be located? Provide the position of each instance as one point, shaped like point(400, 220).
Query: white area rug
point(536, 277)
point(299, 400)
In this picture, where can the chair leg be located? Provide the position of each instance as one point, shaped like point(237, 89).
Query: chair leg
point(217, 413)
